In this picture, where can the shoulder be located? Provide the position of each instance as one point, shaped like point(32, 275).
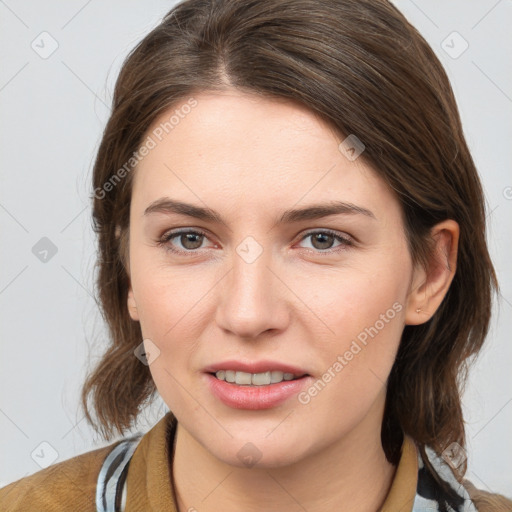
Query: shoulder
point(67, 485)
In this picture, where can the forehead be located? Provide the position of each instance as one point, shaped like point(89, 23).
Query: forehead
point(229, 122)
point(261, 150)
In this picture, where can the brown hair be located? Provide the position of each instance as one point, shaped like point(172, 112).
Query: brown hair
point(365, 70)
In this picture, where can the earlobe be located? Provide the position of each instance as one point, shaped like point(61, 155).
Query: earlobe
point(431, 285)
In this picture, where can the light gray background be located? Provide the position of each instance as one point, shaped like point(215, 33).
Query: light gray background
point(53, 111)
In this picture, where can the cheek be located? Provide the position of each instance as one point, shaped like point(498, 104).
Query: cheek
point(355, 369)
point(167, 304)
point(351, 301)
point(171, 303)
point(164, 292)
point(364, 313)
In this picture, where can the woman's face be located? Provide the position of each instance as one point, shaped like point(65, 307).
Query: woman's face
point(327, 295)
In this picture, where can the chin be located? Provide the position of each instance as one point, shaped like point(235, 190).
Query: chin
point(256, 452)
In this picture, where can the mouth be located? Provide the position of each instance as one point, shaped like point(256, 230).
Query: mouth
point(267, 378)
point(255, 391)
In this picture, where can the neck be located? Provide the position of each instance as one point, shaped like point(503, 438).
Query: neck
point(351, 474)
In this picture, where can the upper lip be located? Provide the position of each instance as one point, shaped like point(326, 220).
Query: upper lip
point(255, 367)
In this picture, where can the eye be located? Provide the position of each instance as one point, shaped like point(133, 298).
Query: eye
point(322, 241)
point(190, 240)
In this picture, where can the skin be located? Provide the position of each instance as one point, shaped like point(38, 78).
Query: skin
point(301, 302)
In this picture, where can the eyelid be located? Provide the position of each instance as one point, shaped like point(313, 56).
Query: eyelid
point(332, 232)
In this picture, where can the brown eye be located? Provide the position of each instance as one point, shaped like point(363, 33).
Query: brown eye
point(191, 241)
point(322, 241)
point(188, 240)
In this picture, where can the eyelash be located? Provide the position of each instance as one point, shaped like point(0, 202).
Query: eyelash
point(167, 237)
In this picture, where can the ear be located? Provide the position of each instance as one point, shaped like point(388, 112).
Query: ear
point(429, 286)
point(132, 305)
point(123, 243)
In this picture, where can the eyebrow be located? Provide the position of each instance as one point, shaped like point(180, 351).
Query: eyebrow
point(311, 212)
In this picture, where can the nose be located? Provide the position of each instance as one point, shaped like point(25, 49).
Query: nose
point(252, 297)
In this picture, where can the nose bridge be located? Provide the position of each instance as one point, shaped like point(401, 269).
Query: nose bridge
point(250, 268)
point(250, 279)
point(248, 304)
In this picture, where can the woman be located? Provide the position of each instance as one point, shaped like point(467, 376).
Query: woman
point(292, 254)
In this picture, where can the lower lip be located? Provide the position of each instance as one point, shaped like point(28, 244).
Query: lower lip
point(255, 397)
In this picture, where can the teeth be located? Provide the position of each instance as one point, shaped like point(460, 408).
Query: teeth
point(253, 379)
point(276, 376)
point(260, 379)
point(243, 378)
